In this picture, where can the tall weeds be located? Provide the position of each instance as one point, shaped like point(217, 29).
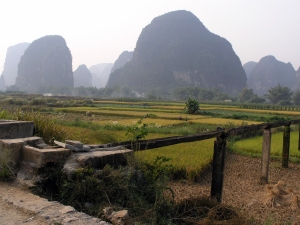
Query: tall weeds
point(45, 126)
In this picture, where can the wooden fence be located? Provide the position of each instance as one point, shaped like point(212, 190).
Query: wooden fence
point(220, 148)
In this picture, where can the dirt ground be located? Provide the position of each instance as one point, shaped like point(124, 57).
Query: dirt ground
point(243, 191)
point(12, 215)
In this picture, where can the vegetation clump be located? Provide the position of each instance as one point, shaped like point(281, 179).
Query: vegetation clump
point(140, 188)
point(192, 106)
point(6, 172)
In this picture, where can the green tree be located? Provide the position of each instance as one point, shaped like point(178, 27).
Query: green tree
point(256, 99)
point(245, 95)
point(221, 96)
point(279, 93)
point(192, 106)
point(206, 95)
point(151, 95)
point(184, 92)
point(248, 96)
point(296, 98)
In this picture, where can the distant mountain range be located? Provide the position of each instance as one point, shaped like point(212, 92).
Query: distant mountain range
point(177, 50)
point(100, 74)
point(82, 77)
point(2, 83)
point(12, 59)
point(125, 57)
point(269, 72)
point(248, 67)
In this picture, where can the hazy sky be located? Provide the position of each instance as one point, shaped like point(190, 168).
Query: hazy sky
point(98, 31)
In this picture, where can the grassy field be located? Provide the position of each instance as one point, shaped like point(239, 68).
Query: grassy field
point(253, 146)
point(185, 160)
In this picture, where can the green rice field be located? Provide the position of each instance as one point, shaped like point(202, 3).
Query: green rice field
point(108, 121)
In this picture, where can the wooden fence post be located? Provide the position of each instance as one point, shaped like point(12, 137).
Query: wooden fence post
point(218, 168)
point(266, 147)
point(299, 138)
point(286, 146)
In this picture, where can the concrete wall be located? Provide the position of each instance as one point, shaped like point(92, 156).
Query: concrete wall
point(10, 129)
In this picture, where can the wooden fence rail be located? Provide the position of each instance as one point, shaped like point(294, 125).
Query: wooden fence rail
point(220, 148)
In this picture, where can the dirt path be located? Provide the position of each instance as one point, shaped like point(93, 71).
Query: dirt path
point(243, 191)
point(12, 215)
point(19, 206)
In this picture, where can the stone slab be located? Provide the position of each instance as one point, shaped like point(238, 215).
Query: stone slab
point(95, 159)
point(10, 129)
point(40, 157)
point(77, 144)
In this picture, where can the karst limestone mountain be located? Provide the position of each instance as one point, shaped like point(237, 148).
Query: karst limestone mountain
point(47, 62)
point(82, 77)
point(269, 72)
point(100, 74)
point(125, 57)
point(12, 59)
point(177, 50)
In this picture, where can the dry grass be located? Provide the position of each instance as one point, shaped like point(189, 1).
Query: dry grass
point(150, 121)
point(88, 136)
point(279, 195)
point(221, 121)
point(266, 111)
point(129, 113)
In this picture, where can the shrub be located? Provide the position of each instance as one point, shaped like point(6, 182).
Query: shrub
point(192, 106)
point(137, 187)
point(136, 132)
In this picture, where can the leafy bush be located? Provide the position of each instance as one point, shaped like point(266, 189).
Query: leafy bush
point(192, 106)
point(136, 132)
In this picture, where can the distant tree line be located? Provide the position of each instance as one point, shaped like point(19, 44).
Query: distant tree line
point(279, 95)
point(200, 94)
point(113, 92)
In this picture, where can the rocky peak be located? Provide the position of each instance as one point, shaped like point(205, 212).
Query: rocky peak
point(125, 57)
point(12, 59)
point(176, 50)
point(2, 83)
point(82, 77)
point(269, 72)
point(47, 62)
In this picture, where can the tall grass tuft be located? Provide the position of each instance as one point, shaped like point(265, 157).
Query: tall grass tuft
point(6, 172)
point(44, 125)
